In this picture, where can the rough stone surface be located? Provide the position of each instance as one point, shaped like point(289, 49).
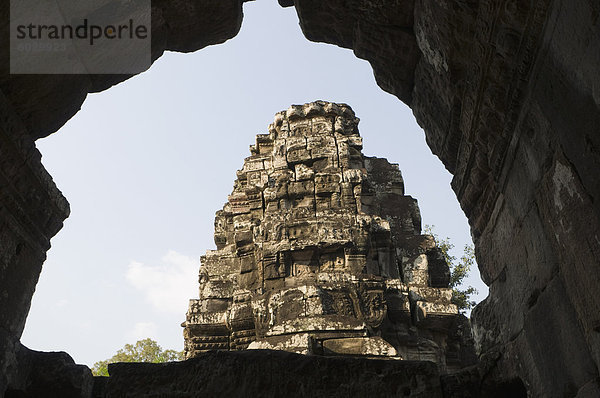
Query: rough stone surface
point(32, 209)
point(507, 93)
point(49, 375)
point(379, 31)
point(254, 373)
point(320, 252)
point(177, 25)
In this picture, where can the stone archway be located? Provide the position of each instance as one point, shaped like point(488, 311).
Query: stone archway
point(506, 92)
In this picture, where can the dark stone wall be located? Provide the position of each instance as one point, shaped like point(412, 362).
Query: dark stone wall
point(49, 375)
point(507, 93)
point(543, 307)
point(45, 102)
point(32, 209)
point(264, 373)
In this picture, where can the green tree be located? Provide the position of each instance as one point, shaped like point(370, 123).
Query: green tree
point(146, 350)
point(459, 270)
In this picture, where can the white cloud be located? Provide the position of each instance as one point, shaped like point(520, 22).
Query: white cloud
point(169, 286)
point(142, 330)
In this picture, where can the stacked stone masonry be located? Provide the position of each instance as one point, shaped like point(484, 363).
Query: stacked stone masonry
point(507, 94)
point(320, 251)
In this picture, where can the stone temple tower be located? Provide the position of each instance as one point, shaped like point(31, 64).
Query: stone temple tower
point(319, 251)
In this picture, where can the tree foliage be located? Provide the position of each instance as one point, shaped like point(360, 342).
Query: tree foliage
point(459, 270)
point(146, 350)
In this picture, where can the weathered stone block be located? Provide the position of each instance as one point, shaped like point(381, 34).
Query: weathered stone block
point(360, 346)
point(301, 189)
point(247, 264)
point(327, 184)
point(310, 251)
point(416, 270)
point(303, 172)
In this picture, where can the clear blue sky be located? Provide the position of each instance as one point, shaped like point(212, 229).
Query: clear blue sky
point(146, 164)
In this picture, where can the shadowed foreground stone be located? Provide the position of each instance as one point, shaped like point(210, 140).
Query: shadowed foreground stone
point(49, 375)
point(507, 93)
point(259, 373)
point(250, 373)
point(32, 209)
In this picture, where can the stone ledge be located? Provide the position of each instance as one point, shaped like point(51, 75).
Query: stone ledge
point(264, 373)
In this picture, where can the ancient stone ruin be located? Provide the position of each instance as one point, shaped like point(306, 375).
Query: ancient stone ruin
point(507, 94)
point(320, 251)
